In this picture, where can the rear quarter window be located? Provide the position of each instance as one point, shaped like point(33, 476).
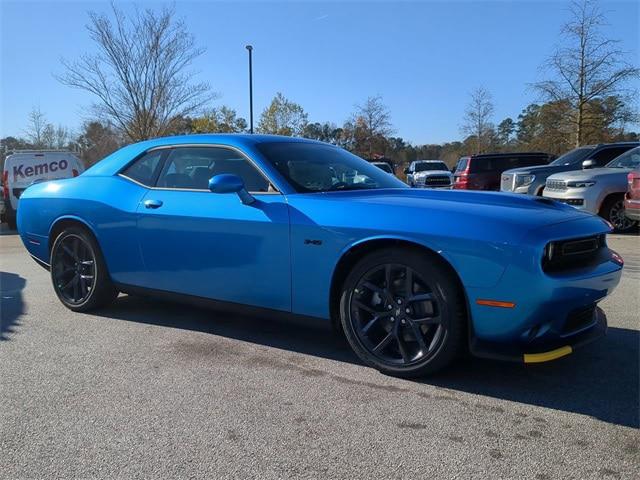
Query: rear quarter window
point(462, 164)
point(145, 169)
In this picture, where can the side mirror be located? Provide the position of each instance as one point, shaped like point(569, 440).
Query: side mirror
point(589, 163)
point(406, 171)
point(229, 183)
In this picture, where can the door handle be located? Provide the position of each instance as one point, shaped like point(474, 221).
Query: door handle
point(152, 203)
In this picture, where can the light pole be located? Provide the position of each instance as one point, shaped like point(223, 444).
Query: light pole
point(250, 49)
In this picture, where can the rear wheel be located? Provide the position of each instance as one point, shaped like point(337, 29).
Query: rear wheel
point(613, 211)
point(403, 312)
point(78, 271)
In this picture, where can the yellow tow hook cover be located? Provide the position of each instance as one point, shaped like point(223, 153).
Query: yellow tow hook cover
point(547, 356)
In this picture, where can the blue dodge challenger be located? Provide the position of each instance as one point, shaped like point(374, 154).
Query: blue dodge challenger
point(293, 226)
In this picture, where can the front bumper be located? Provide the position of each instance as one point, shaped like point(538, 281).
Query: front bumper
point(537, 310)
point(580, 198)
point(543, 351)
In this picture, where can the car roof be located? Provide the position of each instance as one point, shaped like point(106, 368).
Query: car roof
point(117, 160)
point(229, 139)
point(429, 161)
point(615, 144)
point(511, 154)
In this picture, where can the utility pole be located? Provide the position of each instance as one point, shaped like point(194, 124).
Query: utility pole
point(250, 49)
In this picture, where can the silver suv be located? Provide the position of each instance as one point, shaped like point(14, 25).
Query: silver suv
point(429, 173)
point(598, 190)
point(531, 180)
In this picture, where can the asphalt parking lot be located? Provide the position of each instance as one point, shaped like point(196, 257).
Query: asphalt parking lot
point(150, 389)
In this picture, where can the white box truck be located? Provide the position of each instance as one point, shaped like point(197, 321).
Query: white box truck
point(23, 168)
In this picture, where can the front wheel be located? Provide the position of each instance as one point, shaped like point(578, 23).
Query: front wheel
point(403, 313)
point(613, 211)
point(78, 271)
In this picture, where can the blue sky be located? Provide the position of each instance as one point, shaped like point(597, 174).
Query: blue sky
point(422, 57)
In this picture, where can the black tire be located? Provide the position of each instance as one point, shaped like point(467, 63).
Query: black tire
point(429, 278)
point(78, 271)
point(613, 210)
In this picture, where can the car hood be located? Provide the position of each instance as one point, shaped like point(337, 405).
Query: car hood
point(469, 214)
point(543, 169)
point(593, 174)
point(431, 173)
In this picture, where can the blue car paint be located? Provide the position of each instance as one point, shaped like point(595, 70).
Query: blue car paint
point(282, 251)
point(210, 245)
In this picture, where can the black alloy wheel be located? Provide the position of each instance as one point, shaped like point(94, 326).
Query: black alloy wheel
point(403, 314)
point(78, 271)
point(74, 269)
point(617, 217)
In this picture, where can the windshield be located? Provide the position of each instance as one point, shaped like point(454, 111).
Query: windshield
point(572, 157)
point(424, 166)
point(314, 167)
point(629, 159)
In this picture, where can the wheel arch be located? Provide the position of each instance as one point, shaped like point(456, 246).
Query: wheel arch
point(66, 221)
point(355, 252)
point(606, 196)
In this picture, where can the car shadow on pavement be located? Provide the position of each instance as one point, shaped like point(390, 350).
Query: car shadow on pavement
point(11, 303)
point(601, 380)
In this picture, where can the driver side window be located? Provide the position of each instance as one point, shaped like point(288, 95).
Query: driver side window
point(191, 168)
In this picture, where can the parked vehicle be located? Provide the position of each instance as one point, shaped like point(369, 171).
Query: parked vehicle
point(385, 166)
point(482, 172)
point(26, 167)
point(632, 198)
point(280, 224)
point(598, 190)
point(2, 207)
point(532, 180)
point(429, 173)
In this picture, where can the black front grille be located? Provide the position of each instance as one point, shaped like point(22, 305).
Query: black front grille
point(573, 253)
point(437, 180)
point(579, 320)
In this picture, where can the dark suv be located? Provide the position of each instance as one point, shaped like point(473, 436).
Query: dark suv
point(532, 180)
point(482, 172)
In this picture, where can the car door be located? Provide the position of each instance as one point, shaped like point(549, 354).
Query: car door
point(211, 245)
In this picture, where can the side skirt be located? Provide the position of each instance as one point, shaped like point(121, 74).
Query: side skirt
point(230, 307)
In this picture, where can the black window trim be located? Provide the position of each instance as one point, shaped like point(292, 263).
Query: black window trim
point(163, 160)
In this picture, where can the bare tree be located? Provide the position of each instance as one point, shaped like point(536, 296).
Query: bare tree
point(37, 128)
point(477, 118)
point(372, 123)
point(140, 73)
point(588, 67)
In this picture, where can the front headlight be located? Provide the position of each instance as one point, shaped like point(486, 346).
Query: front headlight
point(524, 180)
point(581, 184)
